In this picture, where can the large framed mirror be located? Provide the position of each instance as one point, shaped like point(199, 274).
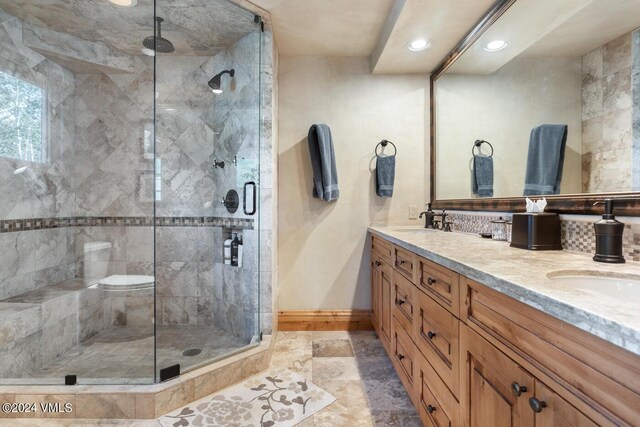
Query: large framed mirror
point(540, 99)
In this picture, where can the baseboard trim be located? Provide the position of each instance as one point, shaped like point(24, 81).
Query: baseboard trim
point(325, 320)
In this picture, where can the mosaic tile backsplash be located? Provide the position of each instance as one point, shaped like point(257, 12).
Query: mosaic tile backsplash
point(577, 235)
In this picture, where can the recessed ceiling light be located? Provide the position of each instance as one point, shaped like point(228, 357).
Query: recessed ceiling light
point(495, 45)
point(124, 3)
point(418, 45)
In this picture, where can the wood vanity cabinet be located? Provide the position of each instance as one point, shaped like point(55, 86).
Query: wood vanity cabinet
point(471, 356)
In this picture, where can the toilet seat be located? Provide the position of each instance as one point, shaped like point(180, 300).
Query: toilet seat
point(122, 282)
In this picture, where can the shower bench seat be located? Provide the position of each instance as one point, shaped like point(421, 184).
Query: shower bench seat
point(38, 326)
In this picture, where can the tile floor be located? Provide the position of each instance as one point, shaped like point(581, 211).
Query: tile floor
point(125, 354)
point(352, 366)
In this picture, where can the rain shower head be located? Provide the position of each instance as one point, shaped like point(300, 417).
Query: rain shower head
point(214, 83)
point(153, 44)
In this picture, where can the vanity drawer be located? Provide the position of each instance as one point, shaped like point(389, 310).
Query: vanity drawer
point(403, 302)
point(437, 335)
point(382, 247)
point(405, 263)
point(442, 284)
point(436, 405)
point(403, 356)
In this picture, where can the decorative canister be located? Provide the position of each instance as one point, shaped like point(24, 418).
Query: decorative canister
point(509, 228)
point(499, 229)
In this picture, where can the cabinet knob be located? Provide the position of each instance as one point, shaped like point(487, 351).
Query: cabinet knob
point(400, 261)
point(537, 405)
point(517, 389)
point(431, 281)
point(431, 335)
point(430, 408)
point(400, 301)
point(400, 356)
point(377, 263)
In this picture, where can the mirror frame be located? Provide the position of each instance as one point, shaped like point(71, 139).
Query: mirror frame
point(627, 203)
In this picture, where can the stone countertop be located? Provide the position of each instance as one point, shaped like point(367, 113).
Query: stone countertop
point(522, 275)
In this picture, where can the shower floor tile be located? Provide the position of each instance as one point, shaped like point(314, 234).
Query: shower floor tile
point(125, 354)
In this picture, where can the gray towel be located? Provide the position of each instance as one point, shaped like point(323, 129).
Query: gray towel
point(545, 160)
point(385, 175)
point(482, 176)
point(323, 162)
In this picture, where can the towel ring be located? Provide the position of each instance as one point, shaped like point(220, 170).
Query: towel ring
point(478, 143)
point(384, 143)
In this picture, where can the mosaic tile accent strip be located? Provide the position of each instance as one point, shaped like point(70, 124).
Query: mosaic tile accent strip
point(576, 235)
point(26, 224)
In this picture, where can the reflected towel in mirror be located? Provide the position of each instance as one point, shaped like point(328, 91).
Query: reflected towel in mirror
point(482, 176)
point(545, 160)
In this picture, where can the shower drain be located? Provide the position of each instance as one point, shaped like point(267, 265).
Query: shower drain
point(192, 352)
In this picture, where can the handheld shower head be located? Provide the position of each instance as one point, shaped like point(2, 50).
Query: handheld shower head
point(153, 44)
point(214, 83)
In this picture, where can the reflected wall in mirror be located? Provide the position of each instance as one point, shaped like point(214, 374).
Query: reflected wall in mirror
point(543, 63)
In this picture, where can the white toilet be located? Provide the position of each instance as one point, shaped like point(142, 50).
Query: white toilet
point(96, 265)
point(96, 260)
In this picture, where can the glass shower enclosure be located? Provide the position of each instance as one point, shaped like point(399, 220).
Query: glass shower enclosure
point(129, 188)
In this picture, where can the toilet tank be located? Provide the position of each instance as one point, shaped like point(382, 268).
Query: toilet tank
point(96, 260)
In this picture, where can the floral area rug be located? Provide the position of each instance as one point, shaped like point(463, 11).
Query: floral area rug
point(277, 397)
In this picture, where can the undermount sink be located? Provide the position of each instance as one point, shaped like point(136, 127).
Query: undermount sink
point(617, 286)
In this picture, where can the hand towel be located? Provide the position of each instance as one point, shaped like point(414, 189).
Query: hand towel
point(323, 162)
point(385, 175)
point(482, 175)
point(545, 160)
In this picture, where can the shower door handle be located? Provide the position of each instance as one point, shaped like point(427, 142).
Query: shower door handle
point(253, 198)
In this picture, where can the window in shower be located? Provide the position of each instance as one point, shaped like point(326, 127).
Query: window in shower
point(22, 120)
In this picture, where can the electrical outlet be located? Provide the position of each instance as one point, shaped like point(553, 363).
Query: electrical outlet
point(413, 212)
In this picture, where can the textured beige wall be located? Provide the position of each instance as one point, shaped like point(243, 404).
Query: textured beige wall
point(502, 108)
point(322, 258)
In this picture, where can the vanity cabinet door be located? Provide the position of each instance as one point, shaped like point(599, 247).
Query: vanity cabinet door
point(381, 299)
point(376, 264)
point(552, 410)
point(495, 390)
point(386, 304)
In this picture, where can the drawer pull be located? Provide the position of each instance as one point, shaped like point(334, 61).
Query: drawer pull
point(377, 263)
point(430, 409)
point(431, 335)
point(518, 389)
point(537, 405)
point(400, 261)
point(431, 281)
point(400, 301)
point(400, 356)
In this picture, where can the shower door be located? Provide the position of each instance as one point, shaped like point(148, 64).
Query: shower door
point(76, 193)
point(207, 183)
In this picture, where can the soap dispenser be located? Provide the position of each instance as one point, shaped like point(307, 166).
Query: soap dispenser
point(608, 236)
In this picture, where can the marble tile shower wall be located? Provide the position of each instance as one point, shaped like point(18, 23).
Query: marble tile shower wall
point(36, 190)
point(609, 147)
point(577, 235)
